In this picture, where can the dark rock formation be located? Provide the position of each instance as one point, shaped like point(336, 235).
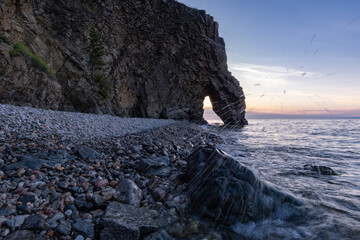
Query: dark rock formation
point(161, 59)
point(324, 170)
point(225, 191)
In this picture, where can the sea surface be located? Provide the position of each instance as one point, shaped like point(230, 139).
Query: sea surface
point(278, 150)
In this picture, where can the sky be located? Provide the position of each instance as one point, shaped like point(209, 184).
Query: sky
point(294, 57)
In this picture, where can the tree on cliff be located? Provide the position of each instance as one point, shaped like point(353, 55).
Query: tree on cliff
point(96, 63)
point(96, 48)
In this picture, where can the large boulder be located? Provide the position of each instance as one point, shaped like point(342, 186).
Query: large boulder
point(225, 191)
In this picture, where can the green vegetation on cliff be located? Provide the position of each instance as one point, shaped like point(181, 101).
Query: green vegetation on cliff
point(96, 50)
point(5, 38)
point(20, 49)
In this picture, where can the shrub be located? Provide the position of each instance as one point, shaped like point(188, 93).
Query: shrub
point(5, 38)
point(21, 49)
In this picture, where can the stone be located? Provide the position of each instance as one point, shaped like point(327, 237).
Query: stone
point(87, 153)
point(34, 222)
point(15, 222)
point(162, 235)
point(124, 221)
point(158, 166)
point(6, 211)
point(98, 200)
point(25, 161)
point(68, 212)
point(158, 194)
point(79, 237)
point(101, 183)
point(20, 172)
point(176, 230)
point(21, 234)
point(84, 227)
point(82, 203)
point(225, 191)
point(64, 228)
point(27, 198)
point(55, 219)
point(108, 193)
point(5, 232)
point(129, 192)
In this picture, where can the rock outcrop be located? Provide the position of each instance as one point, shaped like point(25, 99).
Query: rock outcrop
point(225, 191)
point(161, 58)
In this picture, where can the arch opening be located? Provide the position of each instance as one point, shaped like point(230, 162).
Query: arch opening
point(209, 115)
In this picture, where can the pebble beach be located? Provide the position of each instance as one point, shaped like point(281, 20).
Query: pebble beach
point(63, 173)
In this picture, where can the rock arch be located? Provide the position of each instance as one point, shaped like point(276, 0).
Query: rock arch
point(162, 59)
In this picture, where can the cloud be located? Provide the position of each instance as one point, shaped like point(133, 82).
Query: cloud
point(272, 73)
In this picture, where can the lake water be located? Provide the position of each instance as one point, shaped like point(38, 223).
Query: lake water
point(278, 150)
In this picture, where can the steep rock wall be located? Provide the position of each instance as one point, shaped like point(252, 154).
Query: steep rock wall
point(161, 59)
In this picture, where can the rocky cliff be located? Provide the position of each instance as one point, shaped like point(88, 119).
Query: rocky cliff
point(137, 58)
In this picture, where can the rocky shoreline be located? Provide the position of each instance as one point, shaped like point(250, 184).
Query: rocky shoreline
point(57, 185)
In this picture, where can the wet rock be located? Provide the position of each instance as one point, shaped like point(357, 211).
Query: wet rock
point(320, 169)
point(129, 192)
point(225, 191)
point(123, 221)
point(87, 153)
point(155, 166)
point(84, 227)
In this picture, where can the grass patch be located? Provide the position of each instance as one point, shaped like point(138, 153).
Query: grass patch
point(5, 38)
point(20, 49)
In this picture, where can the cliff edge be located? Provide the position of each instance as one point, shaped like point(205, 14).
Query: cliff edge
point(144, 58)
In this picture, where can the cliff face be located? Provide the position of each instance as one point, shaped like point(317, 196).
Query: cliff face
point(160, 57)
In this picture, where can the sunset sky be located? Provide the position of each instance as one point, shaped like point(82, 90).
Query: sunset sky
point(292, 57)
